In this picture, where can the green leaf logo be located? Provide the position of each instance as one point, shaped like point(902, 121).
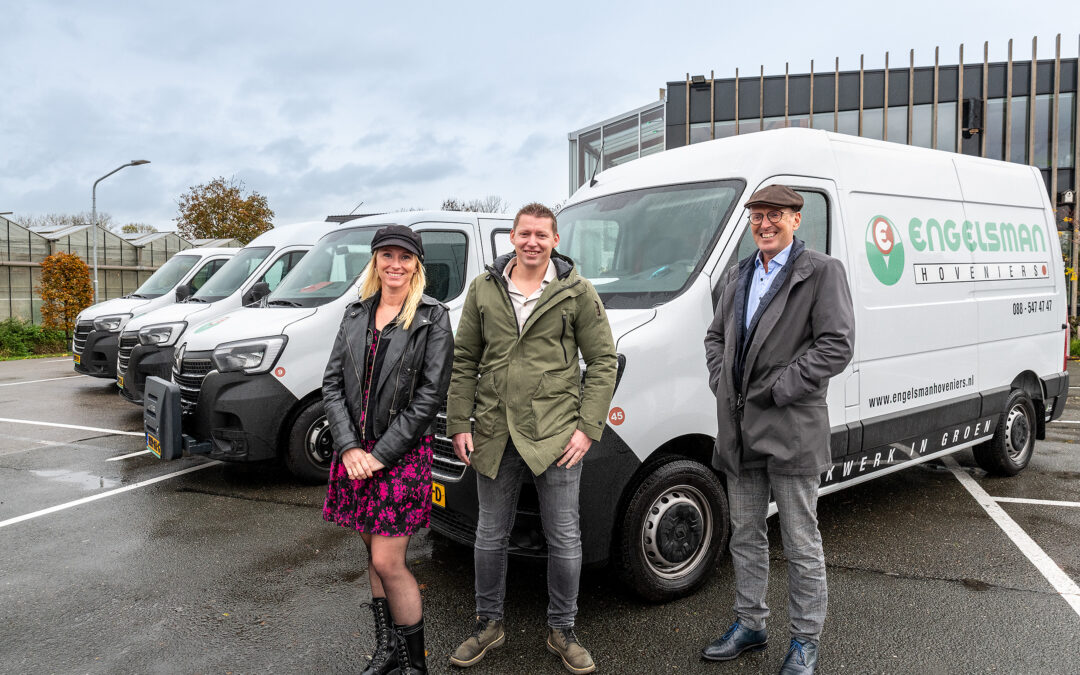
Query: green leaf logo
point(884, 250)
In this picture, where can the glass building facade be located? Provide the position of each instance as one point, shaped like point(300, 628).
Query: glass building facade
point(124, 261)
point(1020, 110)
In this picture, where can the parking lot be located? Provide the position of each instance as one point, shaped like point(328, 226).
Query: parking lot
point(114, 562)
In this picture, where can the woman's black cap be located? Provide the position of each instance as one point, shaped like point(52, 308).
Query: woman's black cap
point(399, 235)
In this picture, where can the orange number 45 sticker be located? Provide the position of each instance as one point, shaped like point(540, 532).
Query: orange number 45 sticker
point(616, 416)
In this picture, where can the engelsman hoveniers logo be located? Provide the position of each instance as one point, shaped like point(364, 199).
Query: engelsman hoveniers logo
point(884, 250)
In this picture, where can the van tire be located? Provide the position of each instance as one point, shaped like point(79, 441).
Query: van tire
point(685, 501)
point(1010, 450)
point(310, 447)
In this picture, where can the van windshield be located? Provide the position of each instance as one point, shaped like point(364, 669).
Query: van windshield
point(232, 274)
point(641, 248)
point(327, 271)
point(167, 276)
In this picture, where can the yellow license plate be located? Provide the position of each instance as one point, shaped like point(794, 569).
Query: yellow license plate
point(438, 494)
point(120, 381)
point(78, 359)
point(153, 445)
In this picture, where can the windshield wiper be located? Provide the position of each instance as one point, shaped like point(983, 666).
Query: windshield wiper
point(194, 299)
point(136, 295)
point(286, 303)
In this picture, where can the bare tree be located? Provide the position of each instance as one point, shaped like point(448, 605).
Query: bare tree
point(489, 204)
point(140, 228)
point(55, 221)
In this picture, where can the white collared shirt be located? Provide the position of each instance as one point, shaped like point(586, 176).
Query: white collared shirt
point(524, 305)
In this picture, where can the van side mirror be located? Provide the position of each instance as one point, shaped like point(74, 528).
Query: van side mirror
point(183, 292)
point(257, 293)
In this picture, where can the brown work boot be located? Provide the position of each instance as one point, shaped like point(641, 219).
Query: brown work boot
point(563, 643)
point(486, 635)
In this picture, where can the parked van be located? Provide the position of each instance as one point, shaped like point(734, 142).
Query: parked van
point(958, 284)
point(94, 345)
point(250, 382)
point(146, 344)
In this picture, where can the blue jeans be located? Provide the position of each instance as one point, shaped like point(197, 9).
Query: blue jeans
point(558, 489)
point(796, 502)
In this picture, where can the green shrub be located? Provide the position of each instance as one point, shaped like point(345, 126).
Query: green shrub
point(22, 338)
point(1074, 347)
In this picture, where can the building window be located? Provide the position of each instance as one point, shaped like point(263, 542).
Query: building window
point(1066, 127)
point(921, 122)
point(898, 124)
point(620, 142)
point(872, 123)
point(699, 132)
point(588, 154)
point(994, 128)
point(1019, 124)
point(946, 127)
point(849, 122)
point(652, 131)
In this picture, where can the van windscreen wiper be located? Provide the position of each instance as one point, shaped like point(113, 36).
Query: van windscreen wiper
point(285, 303)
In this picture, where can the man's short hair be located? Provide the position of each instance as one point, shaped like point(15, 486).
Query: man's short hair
point(537, 210)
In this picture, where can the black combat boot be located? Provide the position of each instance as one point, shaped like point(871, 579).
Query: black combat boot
point(384, 659)
point(411, 657)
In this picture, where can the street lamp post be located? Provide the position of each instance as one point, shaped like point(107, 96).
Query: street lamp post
point(93, 214)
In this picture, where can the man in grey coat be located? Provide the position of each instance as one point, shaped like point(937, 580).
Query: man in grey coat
point(784, 326)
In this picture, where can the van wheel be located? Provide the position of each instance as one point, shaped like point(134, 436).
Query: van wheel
point(310, 446)
point(1010, 450)
point(673, 530)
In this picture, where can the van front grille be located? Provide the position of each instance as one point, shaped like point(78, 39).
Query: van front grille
point(189, 378)
point(128, 341)
point(445, 465)
point(82, 331)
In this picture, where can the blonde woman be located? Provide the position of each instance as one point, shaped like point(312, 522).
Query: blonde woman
point(386, 379)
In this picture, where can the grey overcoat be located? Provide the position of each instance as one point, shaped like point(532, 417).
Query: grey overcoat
point(802, 334)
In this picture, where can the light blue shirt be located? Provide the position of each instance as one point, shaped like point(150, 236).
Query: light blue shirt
point(761, 280)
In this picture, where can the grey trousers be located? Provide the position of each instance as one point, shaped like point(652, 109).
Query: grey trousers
point(558, 490)
point(796, 501)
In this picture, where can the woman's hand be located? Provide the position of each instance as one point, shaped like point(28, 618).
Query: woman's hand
point(360, 464)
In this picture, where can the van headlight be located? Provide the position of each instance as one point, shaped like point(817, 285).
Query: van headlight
point(162, 334)
point(250, 356)
point(111, 323)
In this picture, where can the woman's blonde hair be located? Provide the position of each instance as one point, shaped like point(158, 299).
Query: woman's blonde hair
point(373, 284)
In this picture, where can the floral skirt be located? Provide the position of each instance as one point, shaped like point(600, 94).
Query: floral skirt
point(395, 502)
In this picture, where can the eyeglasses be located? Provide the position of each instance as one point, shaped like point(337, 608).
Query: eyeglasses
point(773, 216)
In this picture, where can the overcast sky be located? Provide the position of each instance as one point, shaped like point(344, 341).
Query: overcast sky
point(321, 105)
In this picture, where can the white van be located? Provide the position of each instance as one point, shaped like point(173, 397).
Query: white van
point(958, 285)
point(250, 382)
point(94, 344)
point(146, 344)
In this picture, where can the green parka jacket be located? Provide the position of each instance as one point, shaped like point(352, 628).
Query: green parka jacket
point(526, 385)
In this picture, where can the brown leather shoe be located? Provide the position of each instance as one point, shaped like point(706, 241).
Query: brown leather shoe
point(563, 643)
point(486, 635)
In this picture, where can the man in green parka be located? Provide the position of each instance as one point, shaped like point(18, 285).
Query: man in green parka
point(516, 373)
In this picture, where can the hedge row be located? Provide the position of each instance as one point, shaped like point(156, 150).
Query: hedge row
point(22, 338)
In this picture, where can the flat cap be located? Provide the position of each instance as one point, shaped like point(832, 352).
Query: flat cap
point(776, 195)
point(399, 235)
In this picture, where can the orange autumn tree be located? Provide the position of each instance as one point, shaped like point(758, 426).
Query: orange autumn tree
point(219, 210)
point(65, 290)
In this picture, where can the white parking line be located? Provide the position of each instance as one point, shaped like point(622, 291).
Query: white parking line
point(1042, 502)
point(133, 454)
point(68, 360)
point(1061, 582)
point(109, 493)
point(48, 379)
point(72, 426)
point(1065, 422)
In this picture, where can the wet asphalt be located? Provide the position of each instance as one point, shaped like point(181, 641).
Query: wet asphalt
point(231, 569)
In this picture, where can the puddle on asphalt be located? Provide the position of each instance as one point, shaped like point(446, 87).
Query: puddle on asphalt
point(87, 481)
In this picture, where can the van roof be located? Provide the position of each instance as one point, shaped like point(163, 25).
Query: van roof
point(858, 164)
point(207, 252)
point(410, 218)
point(304, 233)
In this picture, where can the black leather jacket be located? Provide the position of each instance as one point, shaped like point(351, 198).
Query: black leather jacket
point(413, 379)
